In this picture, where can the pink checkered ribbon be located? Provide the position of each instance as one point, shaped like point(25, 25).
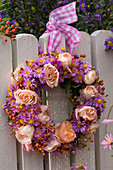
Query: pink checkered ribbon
point(57, 26)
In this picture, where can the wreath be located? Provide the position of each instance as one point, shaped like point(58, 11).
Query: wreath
point(30, 119)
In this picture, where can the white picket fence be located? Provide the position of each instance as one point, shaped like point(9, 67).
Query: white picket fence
point(25, 47)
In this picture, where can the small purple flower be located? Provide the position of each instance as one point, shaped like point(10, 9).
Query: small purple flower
point(109, 43)
point(82, 5)
point(98, 16)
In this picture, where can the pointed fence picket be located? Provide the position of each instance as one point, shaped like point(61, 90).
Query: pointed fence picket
point(25, 47)
point(84, 47)
point(8, 155)
point(57, 100)
point(104, 63)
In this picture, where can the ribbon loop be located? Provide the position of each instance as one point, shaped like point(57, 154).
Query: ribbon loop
point(51, 26)
point(57, 25)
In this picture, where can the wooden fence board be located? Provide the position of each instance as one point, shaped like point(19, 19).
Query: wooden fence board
point(25, 48)
point(104, 63)
point(8, 158)
point(57, 100)
point(84, 47)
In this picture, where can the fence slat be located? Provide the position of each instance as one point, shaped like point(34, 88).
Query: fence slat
point(25, 48)
point(57, 100)
point(104, 63)
point(84, 47)
point(8, 158)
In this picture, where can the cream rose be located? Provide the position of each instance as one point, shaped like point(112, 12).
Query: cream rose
point(15, 76)
point(86, 112)
point(65, 132)
point(52, 75)
point(90, 77)
point(26, 97)
point(44, 115)
point(89, 92)
point(65, 59)
point(53, 145)
point(25, 134)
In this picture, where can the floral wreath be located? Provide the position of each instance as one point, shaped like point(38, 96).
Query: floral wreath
point(30, 119)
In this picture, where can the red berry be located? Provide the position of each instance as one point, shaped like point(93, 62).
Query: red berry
point(5, 40)
point(0, 19)
point(9, 28)
point(103, 88)
point(12, 26)
point(7, 31)
point(13, 36)
point(7, 22)
point(13, 39)
point(16, 28)
point(13, 30)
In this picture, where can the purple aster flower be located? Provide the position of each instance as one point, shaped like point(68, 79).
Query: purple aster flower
point(79, 126)
point(57, 64)
point(109, 43)
point(85, 66)
point(97, 6)
point(82, 5)
point(98, 16)
point(108, 142)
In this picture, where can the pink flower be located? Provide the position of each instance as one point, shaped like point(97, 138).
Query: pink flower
point(28, 147)
point(86, 112)
point(90, 77)
point(53, 145)
point(26, 97)
point(89, 92)
point(107, 121)
point(52, 75)
point(44, 115)
point(107, 143)
point(65, 132)
point(15, 77)
point(25, 134)
point(65, 59)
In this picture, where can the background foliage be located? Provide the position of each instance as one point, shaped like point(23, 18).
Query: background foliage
point(31, 16)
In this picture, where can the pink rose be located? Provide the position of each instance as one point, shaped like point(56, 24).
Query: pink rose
point(65, 132)
point(25, 134)
point(15, 77)
point(53, 145)
point(52, 75)
point(28, 147)
point(89, 92)
point(86, 112)
point(90, 77)
point(26, 97)
point(65, 59)
point(44, 115)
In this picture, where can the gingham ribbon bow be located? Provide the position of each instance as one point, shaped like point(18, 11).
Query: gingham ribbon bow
point(57, 26)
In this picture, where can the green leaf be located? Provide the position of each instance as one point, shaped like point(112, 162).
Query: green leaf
point(76, 86)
